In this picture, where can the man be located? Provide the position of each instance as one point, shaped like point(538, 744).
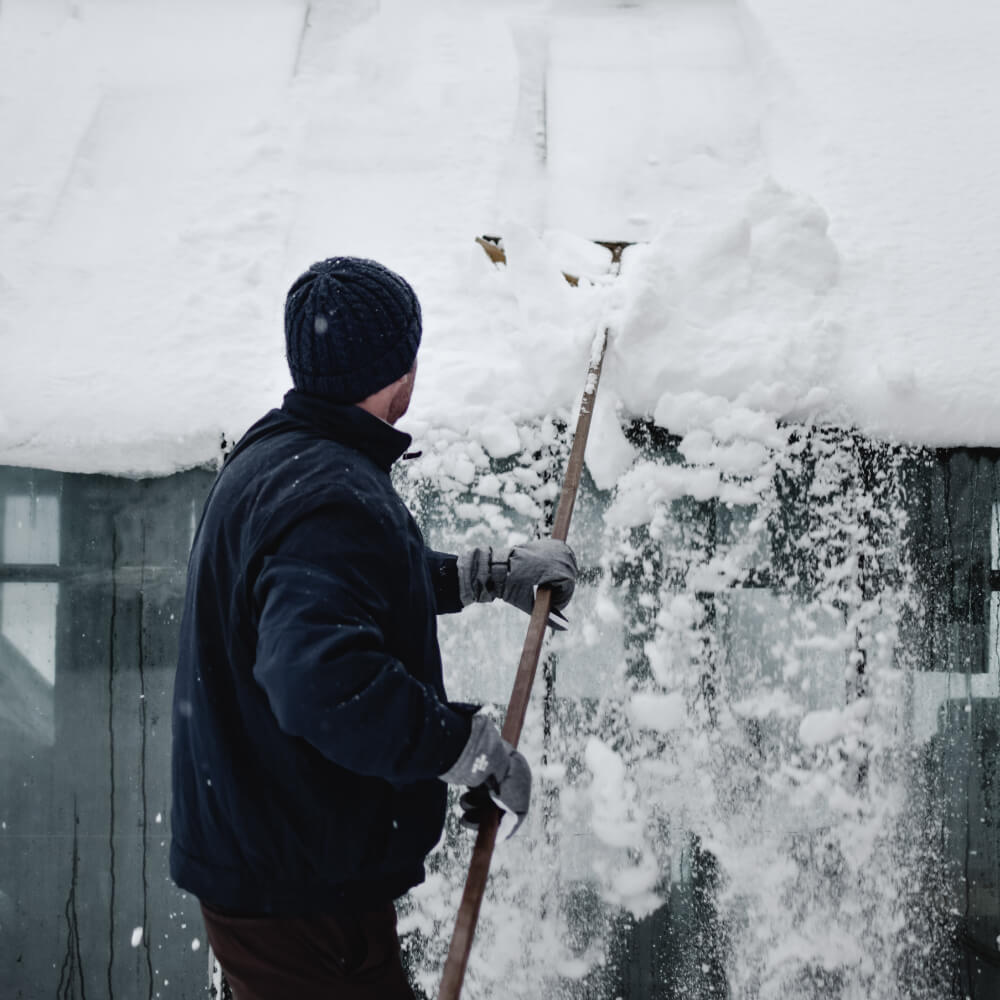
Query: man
point(312, 736)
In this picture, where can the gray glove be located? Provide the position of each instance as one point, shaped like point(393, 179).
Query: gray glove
point(513, 574)
point(488, 763)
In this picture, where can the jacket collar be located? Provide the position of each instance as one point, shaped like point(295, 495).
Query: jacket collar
point(348, 424)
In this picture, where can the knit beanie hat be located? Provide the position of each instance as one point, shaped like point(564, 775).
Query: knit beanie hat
point(352, 327)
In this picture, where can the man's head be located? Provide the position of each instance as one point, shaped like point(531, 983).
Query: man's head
point(352, 329)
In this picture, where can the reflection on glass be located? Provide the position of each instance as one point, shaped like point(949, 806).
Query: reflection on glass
point(28, 622)
point(27, 663)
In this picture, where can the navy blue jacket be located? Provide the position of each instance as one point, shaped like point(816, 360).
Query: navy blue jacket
point(310, 719)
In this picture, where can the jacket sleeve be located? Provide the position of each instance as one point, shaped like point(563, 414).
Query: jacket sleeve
point(322, 599)
point(444, 574)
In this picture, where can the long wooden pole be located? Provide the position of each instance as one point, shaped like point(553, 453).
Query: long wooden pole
point(482, 852)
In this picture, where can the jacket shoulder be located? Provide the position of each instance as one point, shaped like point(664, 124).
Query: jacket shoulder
point(290, 475)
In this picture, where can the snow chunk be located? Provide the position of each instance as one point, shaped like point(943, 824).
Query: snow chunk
point(499, 436)
point(137, 937)
point(459, 466)
point(611, 820)
point(488, 486)
point(683, 412)
point(662, 712)
point(826, 725)
point(648, 484)
point(741, 458)
point(609, 453)
point(726, 298)
point(606, 610)
point(523, 504)
point(823, 726)
point(572, 968)
point(633, 887)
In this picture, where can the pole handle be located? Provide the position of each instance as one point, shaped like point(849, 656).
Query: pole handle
point(482, 853)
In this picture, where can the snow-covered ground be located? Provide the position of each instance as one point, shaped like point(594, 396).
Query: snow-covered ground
point(810, 188)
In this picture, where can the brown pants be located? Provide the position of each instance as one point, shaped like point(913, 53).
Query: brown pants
point(322, 957)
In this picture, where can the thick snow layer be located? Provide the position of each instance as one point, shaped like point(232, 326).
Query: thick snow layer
point(814, 186)
point(885, 114)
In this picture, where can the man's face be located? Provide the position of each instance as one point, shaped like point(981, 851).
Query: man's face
point(400, 402)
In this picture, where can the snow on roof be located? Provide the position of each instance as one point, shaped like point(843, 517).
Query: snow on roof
point(812, 188)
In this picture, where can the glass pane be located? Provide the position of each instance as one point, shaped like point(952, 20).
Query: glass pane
point(31, 529)
point(86, 673)
point(28, 622)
